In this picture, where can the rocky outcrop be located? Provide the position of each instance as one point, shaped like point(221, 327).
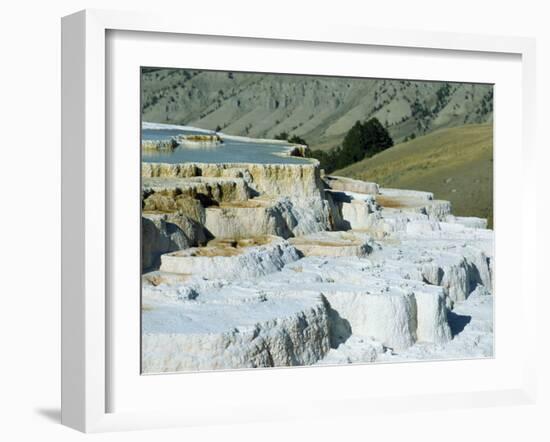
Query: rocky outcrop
point(389, 211)
point(244, 219)
point(397, 286)
point(432, 324)
point(283, 217)
point(218, 189)
point(387, 318)
point(353, 210)
point(232, 201)
point(162, 233)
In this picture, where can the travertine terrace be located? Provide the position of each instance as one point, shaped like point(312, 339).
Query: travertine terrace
point(263, 265)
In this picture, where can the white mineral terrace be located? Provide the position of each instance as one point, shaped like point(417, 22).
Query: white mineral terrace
point(199, 140)
point(250, 265)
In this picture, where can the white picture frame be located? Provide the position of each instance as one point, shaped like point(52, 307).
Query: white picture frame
point(86, 315)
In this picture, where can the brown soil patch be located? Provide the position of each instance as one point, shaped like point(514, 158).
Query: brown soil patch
point(156, 279)
point(241, 242)
point(212, 252)
point(391, 202)
point(230, 247)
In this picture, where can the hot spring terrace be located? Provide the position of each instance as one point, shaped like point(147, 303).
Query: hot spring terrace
point(261, 265)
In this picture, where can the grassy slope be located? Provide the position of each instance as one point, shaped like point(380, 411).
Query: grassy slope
point(455, 164)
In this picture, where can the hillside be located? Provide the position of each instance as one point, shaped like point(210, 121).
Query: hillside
point(455, 164)
point(319, 109)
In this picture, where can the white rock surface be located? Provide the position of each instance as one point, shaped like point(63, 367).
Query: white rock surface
point(357, 349)
point(350, 185)
point(333, 244)
point(262, 216)
point(397, 193)
point(467, 221)
point(240, 220)
point(432, 325)
point(362, 290)
point(227, 330)
point(406, 279)
point(472, 321)
point(226, 261)
point(389, 318)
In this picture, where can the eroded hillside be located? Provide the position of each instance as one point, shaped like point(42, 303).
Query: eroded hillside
point(319, 109)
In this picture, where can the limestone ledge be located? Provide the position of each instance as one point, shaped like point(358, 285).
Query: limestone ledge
point(218, 189)
point(299, 180)
point(230, 260)
point(350, 185)
point(284, 217)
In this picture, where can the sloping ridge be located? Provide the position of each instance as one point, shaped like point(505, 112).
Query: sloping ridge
point(456, 164)
point(319, 109)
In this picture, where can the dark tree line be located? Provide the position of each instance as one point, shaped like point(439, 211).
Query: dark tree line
point(362, 140)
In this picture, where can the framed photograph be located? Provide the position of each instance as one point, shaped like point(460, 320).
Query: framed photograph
point(270, 223)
